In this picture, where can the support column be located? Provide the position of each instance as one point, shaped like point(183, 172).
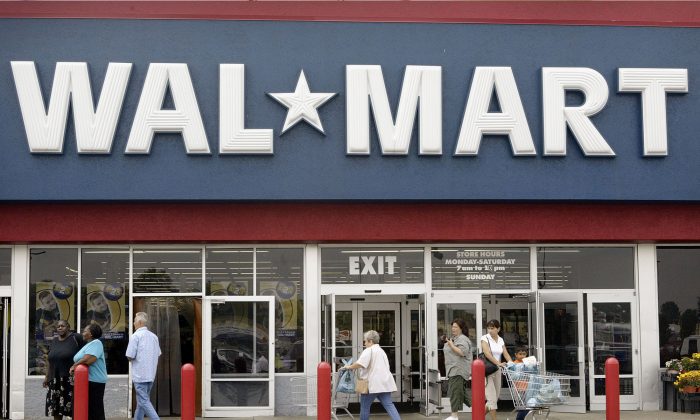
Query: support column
point(18, 345)
point(649, 357)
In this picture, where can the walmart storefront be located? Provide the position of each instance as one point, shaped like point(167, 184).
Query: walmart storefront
point(267, 180)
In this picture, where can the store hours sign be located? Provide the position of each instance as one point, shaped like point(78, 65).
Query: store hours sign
point(491, 268)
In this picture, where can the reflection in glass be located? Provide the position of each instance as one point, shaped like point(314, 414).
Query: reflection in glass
point(53, 275)
point(612, 335)
point(626, 386)
point(679, 301)
point(343, 334)
point(167, 271)
point(561, 341)
point(104, 300)
point(239, 343)
point(384, 323)
point(514, 328)
point(5, 266)
point(229, 272)
point(279, 272)
point(240, 394)
point(585, 267)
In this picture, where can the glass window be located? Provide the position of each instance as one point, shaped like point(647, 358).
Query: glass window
point(280, 273)
point(679, 302)
point(481, 268)
point(229, 272)
point(104, 300)
point(5, 266)
point(585, 268)
point(53, 274)
point(372, 265)
point(167, 270)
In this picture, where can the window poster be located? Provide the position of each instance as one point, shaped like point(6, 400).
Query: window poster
point(54, 301)
point(106, 307)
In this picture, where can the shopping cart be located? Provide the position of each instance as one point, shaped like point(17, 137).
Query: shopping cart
point(304, 394)
point(535, 391)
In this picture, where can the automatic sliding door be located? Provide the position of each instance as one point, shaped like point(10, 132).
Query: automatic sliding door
point(562, 342)
point(612, 320)
point(445, 308)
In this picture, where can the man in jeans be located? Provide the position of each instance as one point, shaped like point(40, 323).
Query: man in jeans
point(143, 352)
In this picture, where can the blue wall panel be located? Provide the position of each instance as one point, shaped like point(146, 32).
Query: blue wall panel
point(308, 166)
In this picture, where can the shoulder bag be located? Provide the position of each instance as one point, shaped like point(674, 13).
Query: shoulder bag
point(362, 385)
point(488, 364)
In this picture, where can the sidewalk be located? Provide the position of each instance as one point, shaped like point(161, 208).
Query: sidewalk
point(504, 415)
point(598, 415)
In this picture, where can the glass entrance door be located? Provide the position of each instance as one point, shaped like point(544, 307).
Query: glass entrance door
point(353, 319)
point(239, 356)
point(612, 321)
point(445, 307)
point(561, 342)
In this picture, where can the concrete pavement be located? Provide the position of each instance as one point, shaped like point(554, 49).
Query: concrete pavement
point(507, 415)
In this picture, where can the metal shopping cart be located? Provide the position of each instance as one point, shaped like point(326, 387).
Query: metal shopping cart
point(535, 391)
point(304, 394)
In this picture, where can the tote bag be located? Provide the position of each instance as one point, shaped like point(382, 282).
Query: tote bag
point(490, 367)
point(362, 385)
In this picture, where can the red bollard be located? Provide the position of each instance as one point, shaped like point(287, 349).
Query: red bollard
point(80, 393)
point(323, 391)
point(478, 390)
point(612, 389)
point(187, 388)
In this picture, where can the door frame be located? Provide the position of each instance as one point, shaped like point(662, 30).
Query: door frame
point(248, 411)
point(575, 404)
point(358, 331)
point(627, 402)
point(431, 340)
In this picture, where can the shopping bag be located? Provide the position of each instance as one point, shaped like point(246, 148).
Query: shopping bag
point(346, 382)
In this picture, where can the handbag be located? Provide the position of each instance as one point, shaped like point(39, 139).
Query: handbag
point(488, 365)
point(362, 385)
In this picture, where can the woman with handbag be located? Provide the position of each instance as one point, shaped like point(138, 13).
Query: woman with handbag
point(375, 380)
point(458, 366)
point(493, 348)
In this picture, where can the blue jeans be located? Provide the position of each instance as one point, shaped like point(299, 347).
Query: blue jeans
point(143, 401)
point(522, 414)
point(366, 401)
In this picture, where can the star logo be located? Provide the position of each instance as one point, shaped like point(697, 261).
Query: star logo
point(302, 105)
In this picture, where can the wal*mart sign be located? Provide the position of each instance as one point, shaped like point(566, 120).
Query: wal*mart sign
point(95, 124)
point(119, 109)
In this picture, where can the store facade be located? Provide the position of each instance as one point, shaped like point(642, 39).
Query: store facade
point(268, 180)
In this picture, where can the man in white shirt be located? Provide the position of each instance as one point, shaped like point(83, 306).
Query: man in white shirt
point(143, 352)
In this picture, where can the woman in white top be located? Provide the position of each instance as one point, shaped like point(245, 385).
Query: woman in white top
point(493, 347)
point(374, 367)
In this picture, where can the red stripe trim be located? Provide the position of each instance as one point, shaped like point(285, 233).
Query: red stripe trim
point(347, 222)
point(614, 13)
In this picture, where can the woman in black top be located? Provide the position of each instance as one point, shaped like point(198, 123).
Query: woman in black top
point(59, 398)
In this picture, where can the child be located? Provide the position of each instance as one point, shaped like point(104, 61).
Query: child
point(520, 354)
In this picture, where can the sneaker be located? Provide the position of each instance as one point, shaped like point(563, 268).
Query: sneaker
point(452, 418)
